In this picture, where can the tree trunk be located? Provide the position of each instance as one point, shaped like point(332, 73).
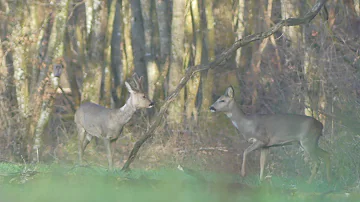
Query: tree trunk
point(175, 115)
point(56, 51)
point(151, 66)
point(240, 30)
point(194, 83)
point(208, 80)
point(107, 70)
point(74, 49)
point(138, 41)
point(291, 8)
point(96, 14)
point(116, 57)
point(164, 34)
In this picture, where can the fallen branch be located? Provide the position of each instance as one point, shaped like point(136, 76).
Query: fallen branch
point(219, 61)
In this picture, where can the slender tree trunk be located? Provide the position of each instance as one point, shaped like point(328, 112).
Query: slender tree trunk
point(208, 80)
point(107, 70)
point(74, 48)
point(151, 66)
point(176, 71)
point(164, 33)
point(127, 46)
point(194, 83)
point(56, 51)
point(240, 30)
point(96, 14)
point(256, 60)
point(138, 41)
point(116, 56)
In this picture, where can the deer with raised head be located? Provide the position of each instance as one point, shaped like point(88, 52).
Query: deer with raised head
point(265, 131)
point(93, 120)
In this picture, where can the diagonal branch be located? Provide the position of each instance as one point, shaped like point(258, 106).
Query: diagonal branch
point(220, 59)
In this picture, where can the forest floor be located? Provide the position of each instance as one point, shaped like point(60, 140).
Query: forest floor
point(55, 182)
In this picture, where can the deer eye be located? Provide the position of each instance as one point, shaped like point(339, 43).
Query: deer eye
point(222, 101)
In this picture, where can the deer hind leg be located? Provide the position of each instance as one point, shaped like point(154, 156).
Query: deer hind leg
point(108, 152)
point(310, 145)
point(326, 157)
point(263, 155)
point(81, 136)
point(256, 145)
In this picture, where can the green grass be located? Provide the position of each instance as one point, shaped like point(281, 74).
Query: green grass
point(67, 183)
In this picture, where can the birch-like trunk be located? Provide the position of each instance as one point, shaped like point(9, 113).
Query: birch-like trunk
point(107, 70)
point(56, 50)
point(240, 30)
point(194, 82)
point(128, 59)
point(176, 109)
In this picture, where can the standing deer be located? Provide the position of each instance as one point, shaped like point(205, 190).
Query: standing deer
point(265, 131)
point(94, 120)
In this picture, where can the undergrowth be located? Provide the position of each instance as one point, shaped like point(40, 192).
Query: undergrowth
point(42, 182)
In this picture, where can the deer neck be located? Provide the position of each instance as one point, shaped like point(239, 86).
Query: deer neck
point(238, 118)
point(125, 112)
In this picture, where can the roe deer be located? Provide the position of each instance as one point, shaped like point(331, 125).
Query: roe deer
point(95, 120)
point(265, 131)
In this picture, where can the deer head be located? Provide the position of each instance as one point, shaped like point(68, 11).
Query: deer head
point(225, 102)
point(137, 96)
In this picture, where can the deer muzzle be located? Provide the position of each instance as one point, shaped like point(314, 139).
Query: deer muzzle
point(212, 109)
point(151, 104)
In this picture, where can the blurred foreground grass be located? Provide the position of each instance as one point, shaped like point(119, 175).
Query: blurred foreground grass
point(52, 183)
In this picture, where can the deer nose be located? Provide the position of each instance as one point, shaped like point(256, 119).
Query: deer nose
point(212, 109)
point(151, 104)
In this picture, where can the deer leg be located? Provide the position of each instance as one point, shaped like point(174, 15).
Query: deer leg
point(86, 142)
point(108, 152)
point(81, 136)
point(263, 155)
point(256, 145)
point(310, 146)
point(326, 157)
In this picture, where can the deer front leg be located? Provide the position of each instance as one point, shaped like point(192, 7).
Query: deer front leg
point(255, 145)
point(263, 155)
point(108, 152)
point(81, 136)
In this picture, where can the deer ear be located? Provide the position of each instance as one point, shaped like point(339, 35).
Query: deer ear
point(128, 87)
point(230, 92)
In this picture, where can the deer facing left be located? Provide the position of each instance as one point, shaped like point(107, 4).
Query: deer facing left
point(93, 120)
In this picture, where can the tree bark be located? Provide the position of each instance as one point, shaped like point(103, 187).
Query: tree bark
point(176, 109)
point(194, 82)
point(56, 51)
point(240, 30)
point(164, 34)
point(107, 73)
point(151, 66)
point(96, 14)
point(138, 41)
point(208, 79)
point(116, 57)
